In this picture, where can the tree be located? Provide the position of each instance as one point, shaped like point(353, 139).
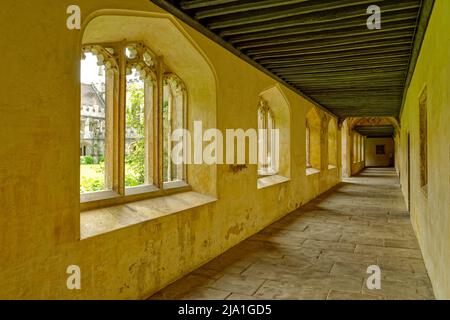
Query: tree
point(135, 159)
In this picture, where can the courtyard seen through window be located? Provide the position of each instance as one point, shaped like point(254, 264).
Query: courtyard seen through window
point(173, 121)
point(93, 127)
point(135, 138)
point(119, 132)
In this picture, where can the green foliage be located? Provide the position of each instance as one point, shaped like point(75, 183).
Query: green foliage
point(86, 160)
point(100, 168)
point(132, 181)
point(165, 111)
point(92, 177)
point(92, 170)
point(135, 160)
point(91, 185)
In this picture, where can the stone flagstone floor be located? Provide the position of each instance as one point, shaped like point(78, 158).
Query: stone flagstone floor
point(322, 251)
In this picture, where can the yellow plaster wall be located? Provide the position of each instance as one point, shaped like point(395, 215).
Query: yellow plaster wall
point(347, 138)
point(377, 160)
point(430, 215)
point(346, 148)
point(359, 164)
point(357, 167)
point(39, 196)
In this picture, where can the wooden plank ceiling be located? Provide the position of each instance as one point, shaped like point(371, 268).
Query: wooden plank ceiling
point(381, 131)
point(322, 49)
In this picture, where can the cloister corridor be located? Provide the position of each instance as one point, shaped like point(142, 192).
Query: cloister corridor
point(230, 150)
point(322, 251)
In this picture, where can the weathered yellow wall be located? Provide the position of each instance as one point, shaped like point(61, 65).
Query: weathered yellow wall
point(377, 160)
point(357, 160)
point(431, 215)
point(357, 167)
point(39, 196)
point(398, 154)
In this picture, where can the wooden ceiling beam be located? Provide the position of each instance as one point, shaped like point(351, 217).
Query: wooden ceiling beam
point(372, 46)
point(352, 40)
point(332, 20)
point(375, 127)
point(359, 91)
point(183, 16)
point(338, 82)
point(369, 113)
point(376, 130)
point(196, 4)
point(315, 70)
point(345, 87)
point(245, 7)
point(327, 28)
point(404, 29)
point(321, 50)
point(327, 57)
point(355, 61)
point(337, 65)
point(350, 79)
point(338, 99)
point(270, 15)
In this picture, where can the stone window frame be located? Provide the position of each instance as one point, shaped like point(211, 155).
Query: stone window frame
point(317, 131)
point(359, 148)
point(354, 148)
point(308, 146)
point(266, 146)
point(363, 149)
point(423, 140)
point(153, 70)
point(332, 134)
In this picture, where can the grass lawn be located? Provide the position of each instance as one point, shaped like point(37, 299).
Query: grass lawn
point(92, 177)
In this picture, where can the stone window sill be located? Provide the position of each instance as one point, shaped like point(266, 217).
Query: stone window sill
point(100, 221)
point(312, 171)
point(94, 200)
point(269, 181)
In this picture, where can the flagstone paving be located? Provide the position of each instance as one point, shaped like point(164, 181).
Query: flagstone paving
point(322, 251)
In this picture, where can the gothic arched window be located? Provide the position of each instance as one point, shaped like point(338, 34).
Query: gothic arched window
point(135, 103)
point(266, 140)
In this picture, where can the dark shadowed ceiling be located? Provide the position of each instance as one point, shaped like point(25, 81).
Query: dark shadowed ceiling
point(376, 131)
point(322, 49)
